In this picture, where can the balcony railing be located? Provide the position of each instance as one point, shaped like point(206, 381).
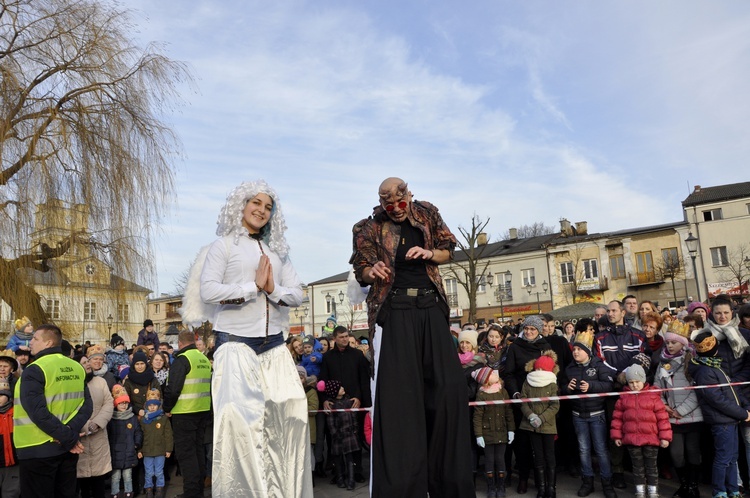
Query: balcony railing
point(643, 278)
point(452, 301)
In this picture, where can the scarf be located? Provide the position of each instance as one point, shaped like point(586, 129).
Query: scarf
point(709, 361)
point(466, 357)
point(102, 371)
point(731, 333)
point(492, 388)
point(541, 378)
point(142, 379)
point(24, 336)
point(151, 416)
point(124, 415)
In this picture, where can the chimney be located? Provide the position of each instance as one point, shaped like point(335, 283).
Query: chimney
point(696, 189)
point(482, 239)
point(582, 227)
point(513, 233)
point(565, 227)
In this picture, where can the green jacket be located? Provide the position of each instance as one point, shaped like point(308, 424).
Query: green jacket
point(493, 422)
point(157, 437)
point(535, 387)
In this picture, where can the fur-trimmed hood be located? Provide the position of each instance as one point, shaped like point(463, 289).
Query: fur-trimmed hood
point(530, 364)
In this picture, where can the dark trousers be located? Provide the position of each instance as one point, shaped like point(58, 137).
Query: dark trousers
point(420, 440)
point(189, 430)
point(522, 446)
point(92, 487)
point(49, 477)
point(543, 446)
point(494, 457)
point(644, 464)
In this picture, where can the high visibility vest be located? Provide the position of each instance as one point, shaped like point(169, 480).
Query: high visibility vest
point(196, 392)
point(64, 382)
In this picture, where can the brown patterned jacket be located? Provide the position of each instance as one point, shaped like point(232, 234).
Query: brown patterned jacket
point(376, 239)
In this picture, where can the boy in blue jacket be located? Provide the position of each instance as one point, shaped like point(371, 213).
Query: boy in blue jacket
point(723, 408)
point(311, 357)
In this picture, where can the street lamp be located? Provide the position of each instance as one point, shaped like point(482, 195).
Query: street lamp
point(502, 292)
point(109, 324)
point(545, 286)
point(332, 302)
point(301, 316)
point(692, 247)
point(747, 267)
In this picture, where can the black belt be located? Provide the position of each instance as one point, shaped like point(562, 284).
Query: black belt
point(412, 292)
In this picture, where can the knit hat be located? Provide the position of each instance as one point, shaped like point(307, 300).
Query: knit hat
point(95, 350)
point(641, 359)
point(469, 336)
point(120, 395)
point(147, 322)
point(705, 343)
point(22, 322)
point(534, 321)
point(679, 332)
point(364, 341)
point(116, 341)
point(544, 362)
point(635, 372)
point(9, 356)
point(331, 319)
point(139, 356)
point(482, 375)
point(697, 304)
point(301, 371)
point(584, 340)
point(153, 397)
point(329, 387)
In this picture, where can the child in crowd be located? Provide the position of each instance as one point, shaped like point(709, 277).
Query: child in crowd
point(125, 437)
point(157, 444)
point(682, 406)
point(494, 428)
point(588, 374)
point(21, 339)
point(539, 418)
point(722, 408)
point(313, 403)
point(311, 356)
point(493, 347)
point(640, 422)
point(9, 471)
point(343, 429)
point(117, 356)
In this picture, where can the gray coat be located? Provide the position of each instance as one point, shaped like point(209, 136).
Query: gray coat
point(672, 374)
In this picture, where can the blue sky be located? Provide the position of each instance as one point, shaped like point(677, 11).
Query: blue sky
point(606, 112)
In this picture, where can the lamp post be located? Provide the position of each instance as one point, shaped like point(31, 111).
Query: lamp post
point(747, 267)
point(501, 291)
point(692, 247)
point(302, 316)
point(545, 286)
point(109, 324)
point(332, 302)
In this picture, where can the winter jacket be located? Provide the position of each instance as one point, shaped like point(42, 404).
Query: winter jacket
point(137, 392)
point(564, 351)
point(640, 419)
point(144, 337)
point(518, 355)
point(493, 355)
point(719, 405)
point(351, 368)
point(17, 341)
point(313, 403)
point(178, 372)
point(617, 345)
point(157, 437)
point(312, 362)
point(125, 438)
point(540, 384)
point(95, 459)
point(493, 422)
point(600, 378)
point(672, 373)
point(343, 428)
point(116, 359)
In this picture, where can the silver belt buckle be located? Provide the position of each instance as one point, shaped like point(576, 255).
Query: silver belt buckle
point(412, 292)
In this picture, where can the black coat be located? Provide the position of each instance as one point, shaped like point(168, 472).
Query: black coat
point(600, 378)
point(564, 351)
point(351, 368)
point(518, 354)
point(125, 438)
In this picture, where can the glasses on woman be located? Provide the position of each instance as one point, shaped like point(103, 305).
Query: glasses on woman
point(401, 205)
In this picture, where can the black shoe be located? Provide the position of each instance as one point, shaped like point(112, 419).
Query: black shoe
point(359, 477)
point(320, 470)
point(587, 486)
point(618, 480)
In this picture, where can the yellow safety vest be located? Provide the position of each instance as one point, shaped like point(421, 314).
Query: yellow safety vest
point(196, 392)
point(64, 382)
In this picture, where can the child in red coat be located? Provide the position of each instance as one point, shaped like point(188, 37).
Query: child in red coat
point(641, 422)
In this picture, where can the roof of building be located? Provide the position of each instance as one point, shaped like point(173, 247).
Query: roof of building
point(339, 277)
point(718, 193)
point(507, 247)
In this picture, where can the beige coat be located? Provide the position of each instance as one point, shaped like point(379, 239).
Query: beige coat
point(95, 459)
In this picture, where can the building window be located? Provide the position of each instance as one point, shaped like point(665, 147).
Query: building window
point(617, 266)
point(590, 268)
point(156, 309)
point(451, 291)
point(89, 311)
point(53, 308)
point(123, 313)
point(528, 277)
point(644, 264)
point(719, 256)
point(481, 284)
point(670, 258)
point(566, 273)
point(712, 214)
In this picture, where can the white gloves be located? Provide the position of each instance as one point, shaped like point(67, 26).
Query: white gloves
point(480, 442)
point(511, 436)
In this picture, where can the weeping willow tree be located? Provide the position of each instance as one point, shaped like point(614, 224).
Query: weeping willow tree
point(82, 121)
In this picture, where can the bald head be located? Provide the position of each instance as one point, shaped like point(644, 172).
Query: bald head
point(395, 198)
point(392, 186)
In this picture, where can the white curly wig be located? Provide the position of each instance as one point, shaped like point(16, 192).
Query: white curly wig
point(230, 218)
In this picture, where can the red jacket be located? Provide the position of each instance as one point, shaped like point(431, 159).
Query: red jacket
point(641, 419)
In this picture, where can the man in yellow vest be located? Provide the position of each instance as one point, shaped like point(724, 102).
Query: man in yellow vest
point(52, 404)
point(187, 397)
